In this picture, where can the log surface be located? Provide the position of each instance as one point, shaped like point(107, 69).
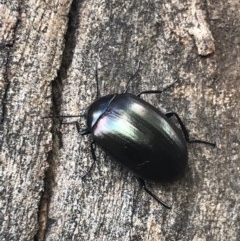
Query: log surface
point(48, 54)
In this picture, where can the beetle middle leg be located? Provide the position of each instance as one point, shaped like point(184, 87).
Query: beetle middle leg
point(143, 185)
point(185, 131)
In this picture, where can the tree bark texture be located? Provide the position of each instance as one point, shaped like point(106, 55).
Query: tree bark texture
point(49, 52)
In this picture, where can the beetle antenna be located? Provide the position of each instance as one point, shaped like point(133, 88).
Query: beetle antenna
point(97, 82)
point(83, 113)
point(132, 77)
point(61, 116)
point(143, 184)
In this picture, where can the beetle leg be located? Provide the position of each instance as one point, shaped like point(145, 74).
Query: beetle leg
point(97, 82)
point(93, 147)
point(80, 132)
point(143, 185)
point(185, 131)
point(83, 132)
point(133, 77)
point(156, 91)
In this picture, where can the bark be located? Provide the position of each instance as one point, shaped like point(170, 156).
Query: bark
point(48, 54)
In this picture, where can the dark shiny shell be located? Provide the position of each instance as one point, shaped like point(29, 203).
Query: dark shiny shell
point(139, 136)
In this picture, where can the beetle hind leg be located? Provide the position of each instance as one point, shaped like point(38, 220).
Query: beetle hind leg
point(143, 185)
point(185, 131)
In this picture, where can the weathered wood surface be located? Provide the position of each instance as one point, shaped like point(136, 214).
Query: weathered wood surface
point(48, 55)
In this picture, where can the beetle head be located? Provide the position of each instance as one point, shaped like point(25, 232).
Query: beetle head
point(97, 109)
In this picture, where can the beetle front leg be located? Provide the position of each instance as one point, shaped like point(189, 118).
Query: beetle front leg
point(185, 131)
point(82, 132)
point(143, 185)
point(93, 148)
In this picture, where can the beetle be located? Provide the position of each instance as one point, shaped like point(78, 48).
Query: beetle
point(138, 135)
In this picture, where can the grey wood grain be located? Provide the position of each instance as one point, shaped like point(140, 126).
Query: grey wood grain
point(48, 55)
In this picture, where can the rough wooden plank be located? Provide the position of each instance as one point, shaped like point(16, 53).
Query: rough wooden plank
point(169, 38)
point(31, 40)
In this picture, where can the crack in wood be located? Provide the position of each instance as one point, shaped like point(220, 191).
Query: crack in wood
point(44, 221)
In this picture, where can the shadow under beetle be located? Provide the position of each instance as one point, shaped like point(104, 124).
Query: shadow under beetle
point(139, 136)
